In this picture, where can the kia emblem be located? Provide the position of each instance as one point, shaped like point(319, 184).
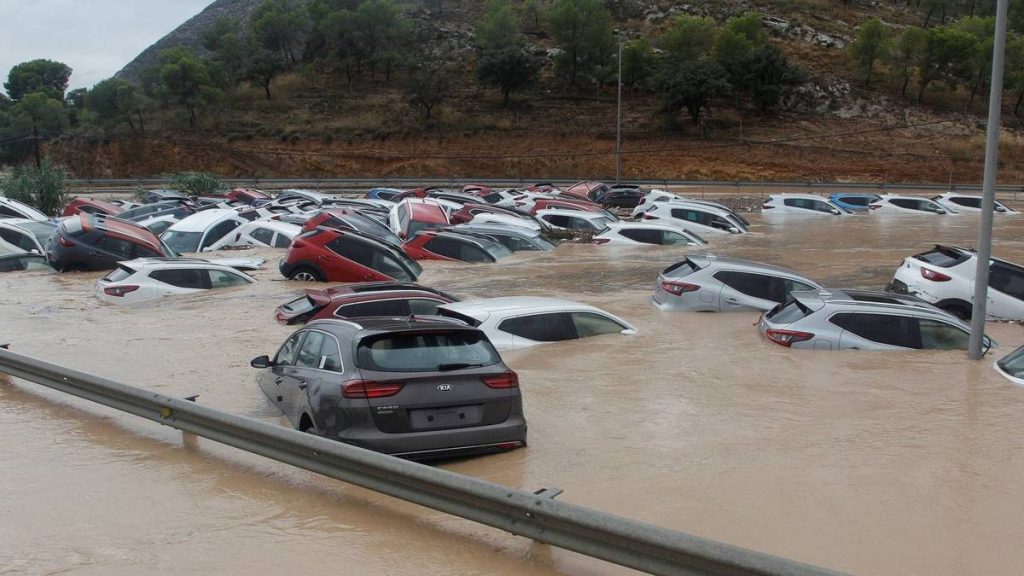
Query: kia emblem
point(444, 387)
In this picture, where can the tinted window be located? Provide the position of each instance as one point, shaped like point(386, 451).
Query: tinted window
point(756, 285)
point(219, 231)
point(18, 239)
point(282, 241)
point(942, 256)
point(376, 308)
point(808, 204)
point(580, 224)
point(119, 274)
point(905, 203)
point(1007, 280)
point(182, 241)
point(404, 352)
point(182, 278)
point(642, 235)
point(854, 200)
point(442, 246)
point(541, 327)
point(670, 238)
point(330, 355)
point(263, 235)
point(969, 202)
point(423, 307)
point(286, 355)
point(788, 313)
point(680, 269)
point(223, 279)
point(355, 250)
point(591, 324)
point(144, 252)
point(309, 353)
point(557, 220)
point(9, 212)
point(881, 328)
point(121, 248)
point(937, 335)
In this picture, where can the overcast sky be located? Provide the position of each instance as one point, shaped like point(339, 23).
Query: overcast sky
point(95, 37)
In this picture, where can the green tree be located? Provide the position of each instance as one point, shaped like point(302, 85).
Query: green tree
point(196, 183)
point(509, 69)
point(638, 63)
point(115, 100)
point(691, 86)
point(977, 70)
point(279, 26)
point(1014, 75)
point(428, 86)
point(768, 76)
point(871, 46)
point(46, 76)
point(905, 54)
point(41, 186)
point(688, 39)
point(739, 38)
point(341, 40)
point(184, 78)
point(380, 31)
point(230, 45)
point(583, 29)
point(499, 29)
point(44, 115)
point(943, 56)
point(533, 14)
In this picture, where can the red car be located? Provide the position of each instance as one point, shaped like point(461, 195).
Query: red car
point(90, 206)
point(478, 189)
point(468, 211)
point(328, 254)
point(364, 299)
point(444, 245)
point(564, 203)
point(249, 196)
point(586, 190)
point(408, 218)
point(350, 219)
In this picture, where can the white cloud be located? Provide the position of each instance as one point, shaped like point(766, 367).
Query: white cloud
point(96, 38)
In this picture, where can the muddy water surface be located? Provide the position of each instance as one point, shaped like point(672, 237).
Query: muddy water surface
point(872, 463)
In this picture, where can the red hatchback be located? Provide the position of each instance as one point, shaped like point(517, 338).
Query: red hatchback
point(468, 211)
point(364, 299)
point(408, 218)
point(564, 203)
point(90, 206)
point(328, 254)
point(444, 245)
point(249, 196)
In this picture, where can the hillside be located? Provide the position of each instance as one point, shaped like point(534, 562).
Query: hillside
point(318, 125)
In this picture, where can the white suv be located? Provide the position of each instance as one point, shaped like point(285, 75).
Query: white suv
point(944, 276)
point(803, 204)
point(967, 203)
point(893, 204)
point(702, 218)
point(151, 278)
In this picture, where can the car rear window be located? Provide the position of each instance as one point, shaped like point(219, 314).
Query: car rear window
point(118, 274)
point(943, 257)
point(789, 312)
point(470, 321)
point(425, 352)
point(299, 305)
point(680, 269)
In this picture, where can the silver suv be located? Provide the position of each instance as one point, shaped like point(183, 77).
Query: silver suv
point(706, 283)
point(861, 320)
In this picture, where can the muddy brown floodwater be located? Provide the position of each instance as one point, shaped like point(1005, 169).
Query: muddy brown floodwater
point(867, 462)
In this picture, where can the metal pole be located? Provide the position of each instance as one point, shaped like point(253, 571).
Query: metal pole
point(995, 104)
point(618, 123)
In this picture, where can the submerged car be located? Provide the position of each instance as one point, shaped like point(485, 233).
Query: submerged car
point(146, 279)
point(23, 261)
point(944, 276)
point(203, 231)
point(455, 246)
point(364, 299)
point(706, 283)
point(969, 203)
point(25, 235)
point(702, 218)
point(10, 208)
point(861, 320)
point(515, 238)
point(574, 220)
point(908, 205)
point(638, 233)
point(351, 219)
point(854, 201)
point(1011, 366)
point(96, 242)
point(517, 322)
point(802, 204)
point(411, 387)
point(91, 206)
point(332, 255)
point(411, 216)
point(266, 233)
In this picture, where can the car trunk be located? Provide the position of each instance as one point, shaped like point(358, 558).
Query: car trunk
point(443, 387)
point(300, 310)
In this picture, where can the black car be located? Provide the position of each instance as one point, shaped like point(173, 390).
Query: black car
point(23, 261)
point(153, 196)
point(621, 196)
point(515, 238)
point(413, 387)
point(97, 242)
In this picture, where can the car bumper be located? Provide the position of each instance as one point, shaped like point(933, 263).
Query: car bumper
point(508, 435)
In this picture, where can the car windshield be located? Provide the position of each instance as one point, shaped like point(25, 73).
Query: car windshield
point(41, 230)
point(542, 243)
point(180, 242)
point(1013, 364)
point(299, 305)
point(789, 312)
point(425, 352)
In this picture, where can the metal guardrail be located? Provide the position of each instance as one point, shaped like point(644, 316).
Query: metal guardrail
point(534, 515)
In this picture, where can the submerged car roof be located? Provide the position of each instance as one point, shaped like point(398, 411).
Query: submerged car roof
point(366, 326)
point(481, 309)
point(202, 220)
point(491, 228)
point(870, 301)
point(703, 260)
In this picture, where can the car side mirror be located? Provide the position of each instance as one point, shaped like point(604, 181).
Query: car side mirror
point(628, 332)
point(261, 362)
point(940, 211)
point(836, 212)
point(207, 249)
point(986, 345)
point(734, 230)
point(34, 251)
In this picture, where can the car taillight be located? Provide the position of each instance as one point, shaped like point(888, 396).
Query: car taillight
point(642, 201)
point(369, 389)
point(788, 337)
point(678, 288)
point(649, 217)
point(119, 290)
point(507, 380)
point(602, 240)
point(934, 276)
point(65, 242)
point(767, 207)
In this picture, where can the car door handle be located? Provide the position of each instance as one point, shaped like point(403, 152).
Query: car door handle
point(731, 301)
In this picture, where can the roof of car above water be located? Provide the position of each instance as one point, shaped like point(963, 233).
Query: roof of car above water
point(204, 219)
point(871, 301)
point(482, 308)
point(704, 260)
point(384, 324)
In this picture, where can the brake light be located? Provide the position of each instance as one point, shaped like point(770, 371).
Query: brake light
point(642, 201)
point(649, 217)
point(767, 206)
point(934, 276)
point(119, 291)
point(678, 288)
point(369, 389)
point(788, 337)
point(65, 242)
point(507, 380)
point(510, 445)
point(602, 240)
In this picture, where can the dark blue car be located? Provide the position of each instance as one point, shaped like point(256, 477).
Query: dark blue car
point(854, 201)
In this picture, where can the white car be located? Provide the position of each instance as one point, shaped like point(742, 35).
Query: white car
point(484, 217)
point(517, 322)
point(25, 235)
point(944, 276)
point(267, 233)
point(203, 231)
point(968, 203)
point(526, 199)
point(802, 204)
point(151, 278)
point(908, 205)
point(578, 220)
point(1011, 366)
point(158, 224)
point(640, 233)
point(502, 198)
point(13, 209)
point(704, 218)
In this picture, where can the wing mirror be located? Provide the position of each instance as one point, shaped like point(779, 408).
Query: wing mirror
point(734, 230)
point(836, 212)
point(986, 345)
point(261, 362)
point(628, 332)
point(940, 211)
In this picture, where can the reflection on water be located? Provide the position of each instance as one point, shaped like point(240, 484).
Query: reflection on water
point(877, 463)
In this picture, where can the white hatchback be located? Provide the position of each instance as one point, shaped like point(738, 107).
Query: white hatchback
point(968, 203)
point(704, 218)
point(908, 205)
point(151, 278)
point(265, 233)
point(203, 231)
point(802, 204)
point(642, 233)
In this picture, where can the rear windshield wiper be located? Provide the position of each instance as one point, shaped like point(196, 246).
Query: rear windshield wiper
point(457, 366)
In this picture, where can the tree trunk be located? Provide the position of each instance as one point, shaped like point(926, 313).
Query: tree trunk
point(906, 80)
point(131, 124)
point(504, 101)
point(266, 88)
point(920, 92)
point(928, 18)
point(1016, 107)
point(191, 115)
point(142, 125)
point(35, 143)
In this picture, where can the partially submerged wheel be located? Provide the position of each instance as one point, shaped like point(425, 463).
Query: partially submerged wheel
point(305, 275)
